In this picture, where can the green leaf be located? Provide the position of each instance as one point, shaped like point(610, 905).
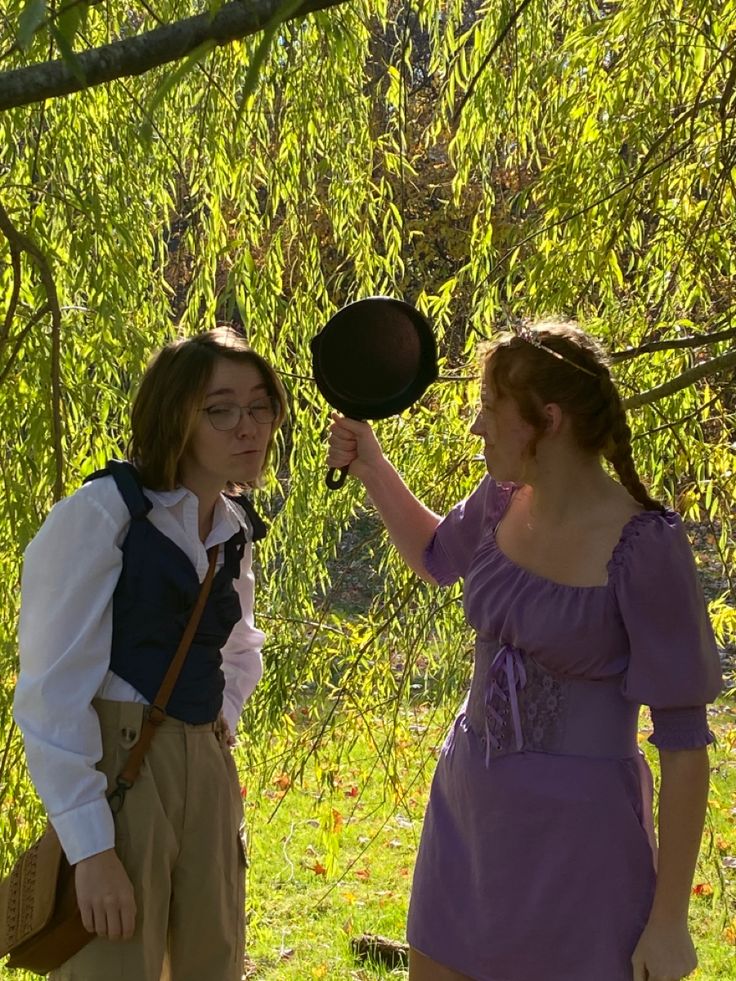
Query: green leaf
point(259, 55)
point(69, 20)
point(31, 17)
point(168, 83)
point(66, 52)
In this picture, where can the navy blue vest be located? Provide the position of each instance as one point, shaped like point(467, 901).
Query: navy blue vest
point(152, 602)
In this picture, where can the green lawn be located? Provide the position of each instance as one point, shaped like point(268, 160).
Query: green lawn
point(331, 855)
point(331, 858)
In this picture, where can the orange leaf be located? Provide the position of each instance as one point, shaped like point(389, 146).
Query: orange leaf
point(318, 868)
point(363, 873)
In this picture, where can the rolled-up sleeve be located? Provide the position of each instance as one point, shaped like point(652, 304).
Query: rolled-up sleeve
point(674, 666)
point(69, 575)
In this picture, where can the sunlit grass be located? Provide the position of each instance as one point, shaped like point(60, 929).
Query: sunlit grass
point(333, 859)
point(332, 853)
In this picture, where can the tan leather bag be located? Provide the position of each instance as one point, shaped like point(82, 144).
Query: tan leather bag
point(40, 923)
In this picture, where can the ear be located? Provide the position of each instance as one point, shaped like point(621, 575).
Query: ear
point(553, 418)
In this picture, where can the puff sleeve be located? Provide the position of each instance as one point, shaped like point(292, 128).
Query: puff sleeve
point(451, 549)
point(673, 662)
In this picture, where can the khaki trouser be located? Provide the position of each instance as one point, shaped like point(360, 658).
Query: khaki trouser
point(178, 836)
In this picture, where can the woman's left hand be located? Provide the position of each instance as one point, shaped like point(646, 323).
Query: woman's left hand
point(665, 952)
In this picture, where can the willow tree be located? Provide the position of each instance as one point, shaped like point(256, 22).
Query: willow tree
point(484, 160)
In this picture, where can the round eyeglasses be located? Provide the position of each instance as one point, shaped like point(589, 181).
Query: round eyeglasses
point(227, 415)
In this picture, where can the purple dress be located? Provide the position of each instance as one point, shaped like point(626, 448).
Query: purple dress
point(537, 858)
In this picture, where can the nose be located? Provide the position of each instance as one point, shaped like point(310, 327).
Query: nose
point(247, 424)
point(477, 428)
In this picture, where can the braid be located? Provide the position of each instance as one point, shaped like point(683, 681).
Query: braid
point(619, 454)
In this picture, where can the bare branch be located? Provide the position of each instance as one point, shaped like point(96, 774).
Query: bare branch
point(136, 55)
point(684, 380)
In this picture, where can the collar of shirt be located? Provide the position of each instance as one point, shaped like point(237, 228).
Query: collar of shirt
point(227, 519)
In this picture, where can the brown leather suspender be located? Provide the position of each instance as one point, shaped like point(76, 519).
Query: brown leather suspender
point(157, 711)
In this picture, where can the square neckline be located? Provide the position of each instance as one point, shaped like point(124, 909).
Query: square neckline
point(610, 564)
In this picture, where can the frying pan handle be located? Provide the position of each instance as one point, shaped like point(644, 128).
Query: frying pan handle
point(336, 477)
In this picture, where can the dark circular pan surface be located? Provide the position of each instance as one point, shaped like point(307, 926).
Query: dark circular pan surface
point(374, 358)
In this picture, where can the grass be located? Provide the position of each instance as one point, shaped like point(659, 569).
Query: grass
point(331, 855)
point(333, 860)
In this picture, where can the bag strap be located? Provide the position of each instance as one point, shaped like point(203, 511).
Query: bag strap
point(157, 711)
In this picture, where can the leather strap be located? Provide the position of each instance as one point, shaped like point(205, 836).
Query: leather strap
point(157, 712)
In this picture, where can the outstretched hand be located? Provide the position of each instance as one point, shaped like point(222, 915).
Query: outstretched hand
point(664, 953)
point(105, 896)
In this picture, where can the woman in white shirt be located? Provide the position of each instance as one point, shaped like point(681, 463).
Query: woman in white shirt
point(108, 585)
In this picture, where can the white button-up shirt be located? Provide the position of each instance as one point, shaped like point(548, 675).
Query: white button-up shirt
point(70, 572)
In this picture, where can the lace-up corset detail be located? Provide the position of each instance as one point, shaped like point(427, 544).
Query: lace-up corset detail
point(515, 705)
point(523, 703)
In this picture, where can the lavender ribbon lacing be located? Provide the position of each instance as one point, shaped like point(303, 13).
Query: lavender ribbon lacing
point(508, 666)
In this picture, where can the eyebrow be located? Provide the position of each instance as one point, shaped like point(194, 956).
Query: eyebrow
point(231, 391)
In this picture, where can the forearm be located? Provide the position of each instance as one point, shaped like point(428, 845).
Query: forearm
point(409, 523)
point(683, 798)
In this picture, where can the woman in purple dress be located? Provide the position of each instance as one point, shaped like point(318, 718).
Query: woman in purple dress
point(538, 859)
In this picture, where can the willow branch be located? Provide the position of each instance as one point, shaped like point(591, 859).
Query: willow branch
point(684, 380)
point(500, 38)
point(10, 313)
point(136, 55)
point(23, 243)
point(694, 340)
point(19, 338)
point(681, 420)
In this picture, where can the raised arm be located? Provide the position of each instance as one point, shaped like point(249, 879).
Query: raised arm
point(409, 523)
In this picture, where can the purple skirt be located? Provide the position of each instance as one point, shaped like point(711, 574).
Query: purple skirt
point(533, 865)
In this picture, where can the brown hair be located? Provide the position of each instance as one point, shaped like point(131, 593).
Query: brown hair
point(170, 396)
point(556, 361)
